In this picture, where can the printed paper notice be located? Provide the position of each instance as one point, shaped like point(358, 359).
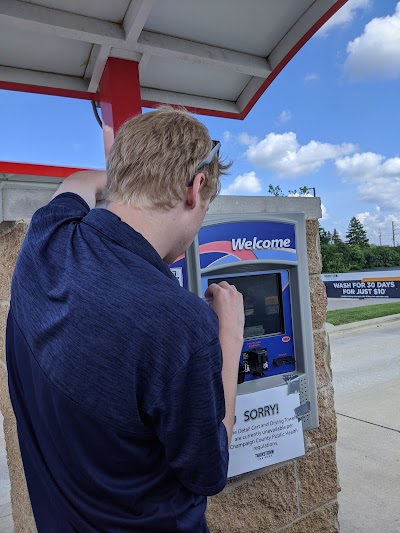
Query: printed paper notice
point(266, 430)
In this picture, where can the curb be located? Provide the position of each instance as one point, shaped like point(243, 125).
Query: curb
point(362, 324)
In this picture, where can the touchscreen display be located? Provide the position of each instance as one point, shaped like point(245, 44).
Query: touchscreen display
point(262, 297)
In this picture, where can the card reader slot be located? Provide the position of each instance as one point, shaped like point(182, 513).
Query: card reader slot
point(287, 360)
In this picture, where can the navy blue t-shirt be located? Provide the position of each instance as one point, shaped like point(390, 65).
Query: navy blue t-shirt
point(115, 379)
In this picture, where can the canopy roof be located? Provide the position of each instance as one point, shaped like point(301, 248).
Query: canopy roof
point(214, 56)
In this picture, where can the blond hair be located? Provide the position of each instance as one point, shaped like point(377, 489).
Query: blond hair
point(154, 159)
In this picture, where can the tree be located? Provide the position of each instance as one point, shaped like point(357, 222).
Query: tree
point(332, 260)
point(336, 237)
point(302, 191)
point(356, 233)
point(380, 257)
point(275, 190)
point(357, 257)
point(325, 237)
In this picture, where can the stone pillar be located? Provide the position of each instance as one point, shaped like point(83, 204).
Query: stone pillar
point(298, 496)
point(11, 237)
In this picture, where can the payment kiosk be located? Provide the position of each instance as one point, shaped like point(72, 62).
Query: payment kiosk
point(265, 257)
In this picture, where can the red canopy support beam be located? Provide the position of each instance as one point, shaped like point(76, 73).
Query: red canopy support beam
point(119, 96)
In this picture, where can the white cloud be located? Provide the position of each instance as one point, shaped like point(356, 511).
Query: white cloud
point(309, 195)
point(285, 116)
point(283, 154)
point(227, 136)
point(376, 53)
point(311, 76)
point(379, 227)
point(245, 184)
point(377, 178)
point(246, 139)
point(325, 215)
point(344, 16)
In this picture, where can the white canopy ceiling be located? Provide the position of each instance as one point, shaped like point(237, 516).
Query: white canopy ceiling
point(217, 56)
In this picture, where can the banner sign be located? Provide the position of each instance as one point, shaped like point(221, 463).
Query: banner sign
point(362, 285)
point(266, 431)
point(231, 242)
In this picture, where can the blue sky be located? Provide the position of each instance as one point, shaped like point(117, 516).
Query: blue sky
point(331, 120)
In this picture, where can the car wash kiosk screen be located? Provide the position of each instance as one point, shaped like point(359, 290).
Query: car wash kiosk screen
point(276, 379)
point(268, 348)
point(242, 255)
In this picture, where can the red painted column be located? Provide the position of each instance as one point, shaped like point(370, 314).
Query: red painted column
point(119, 96)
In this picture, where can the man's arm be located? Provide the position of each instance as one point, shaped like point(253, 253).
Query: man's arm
point(228, 305)
point(88, 184)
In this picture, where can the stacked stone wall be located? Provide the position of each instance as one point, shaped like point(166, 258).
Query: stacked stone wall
point(11, 237)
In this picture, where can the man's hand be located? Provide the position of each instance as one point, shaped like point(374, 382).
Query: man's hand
point(227, 303)
point(88, 184)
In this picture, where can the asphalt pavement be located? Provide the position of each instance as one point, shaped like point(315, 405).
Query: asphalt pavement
point(346, 303)
point(366, 377)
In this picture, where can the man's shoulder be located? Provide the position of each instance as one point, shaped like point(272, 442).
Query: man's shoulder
point(62, 206)
point(52, 221)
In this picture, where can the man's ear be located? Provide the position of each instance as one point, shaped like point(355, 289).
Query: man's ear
point(193, 192)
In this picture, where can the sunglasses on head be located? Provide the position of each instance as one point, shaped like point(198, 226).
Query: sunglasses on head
point(207, 160)
point(210, 157)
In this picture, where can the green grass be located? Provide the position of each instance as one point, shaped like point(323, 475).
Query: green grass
point(355, 314)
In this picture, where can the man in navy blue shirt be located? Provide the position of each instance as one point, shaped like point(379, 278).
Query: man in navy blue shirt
point(122, 382)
